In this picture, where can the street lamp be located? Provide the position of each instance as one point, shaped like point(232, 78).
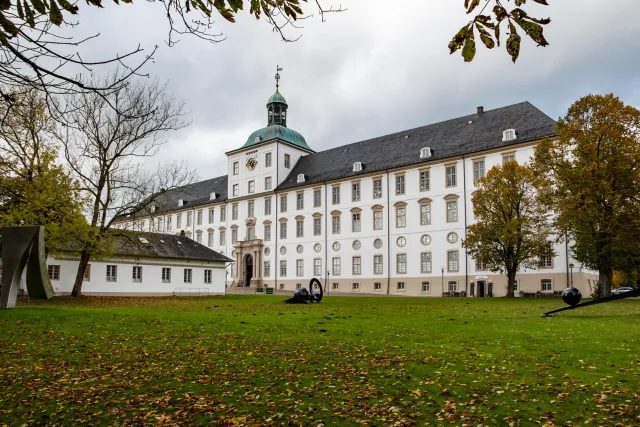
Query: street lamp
point(442, 268)
point(571, 274)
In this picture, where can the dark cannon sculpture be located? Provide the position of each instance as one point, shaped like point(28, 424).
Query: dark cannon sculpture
point(304, 296)
point(572, 297)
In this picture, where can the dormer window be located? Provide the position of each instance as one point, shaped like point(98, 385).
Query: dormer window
point(180, 202)
point(509, 135)
point(153, 209)
point(425, 152)
point(212, 196)
point(301, 178)
point(357, 166)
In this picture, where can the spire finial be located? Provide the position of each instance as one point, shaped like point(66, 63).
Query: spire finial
point(278, 69)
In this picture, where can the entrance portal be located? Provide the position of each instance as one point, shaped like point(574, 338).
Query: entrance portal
point(481, 286)
point(248, 269)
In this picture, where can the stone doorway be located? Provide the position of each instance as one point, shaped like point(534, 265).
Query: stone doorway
point(248, 268)
point(481, 288)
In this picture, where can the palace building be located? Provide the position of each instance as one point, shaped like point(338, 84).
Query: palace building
point(381, 216)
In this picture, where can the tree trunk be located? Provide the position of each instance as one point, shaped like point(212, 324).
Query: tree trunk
point(77, 285)
point(605, 278)
point(511, 282)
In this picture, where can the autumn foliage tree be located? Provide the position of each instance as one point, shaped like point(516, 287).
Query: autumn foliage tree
point(592, 175)
point(512, 227)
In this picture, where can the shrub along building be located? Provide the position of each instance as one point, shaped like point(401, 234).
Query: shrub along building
point(381, 216)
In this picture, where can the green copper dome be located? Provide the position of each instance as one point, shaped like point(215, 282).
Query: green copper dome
point(276, 97)
point(276, 132)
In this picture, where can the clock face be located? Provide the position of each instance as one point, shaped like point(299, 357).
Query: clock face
point(252, 163)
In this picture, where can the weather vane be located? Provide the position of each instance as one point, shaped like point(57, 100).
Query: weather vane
point(278, 69)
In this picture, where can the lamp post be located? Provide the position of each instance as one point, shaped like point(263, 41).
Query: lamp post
point(571, 274)
point(442, 268)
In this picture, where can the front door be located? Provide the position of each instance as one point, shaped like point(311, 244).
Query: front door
point(481, 285)
point(248, 270)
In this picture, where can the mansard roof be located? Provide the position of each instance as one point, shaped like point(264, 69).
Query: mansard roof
point(448, 139)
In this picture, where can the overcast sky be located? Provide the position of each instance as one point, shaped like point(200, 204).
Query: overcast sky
point(380, 67)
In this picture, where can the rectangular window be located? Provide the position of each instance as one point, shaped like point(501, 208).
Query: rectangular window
point(199, 217)
point(188, 273)
point(377, 220)
point(251, 234)
point(234, 236)
point(250, 209)
point(236, 168)
point(335, 221)
point(211, 212)
point(355, 222)
point(87, 273)
point(267, 233)
point(401, 262)
point(199, 236)
point(207, 276)
point(283, 230)
point(232, 270)
point(166, 275)
point(335, 286)
point(317, 267)
point(355, 286)
point(287, 161)
point(401, 217)
point(317, 198)
point(236, 189)
point(267, 160)
point(377, 286)
point(452, 211)
point(112, 273)
point(300, 228)
point(234, 212)
point(547, 261)
point(377, 188)
point(355, 192)
point(223, 237)
point(451, 176)
point(480, 265)
point(223, 213)
point(54, 272)
point(300, 201)
point(299, 267)
point(169, 224)
point(508, 158)
point(400, 286)
point(356, 265)
point(283, 203)
point(336, 266)
point(452, 261)
point(515, 285)
point(267, 206)
point(335, 191)
point(399, 184)
point(267, 183)
point(251, 187)
point(377, 264)
point(424, 181)
point(453, 286)
point(210, 239)
point(425, 262)
point(478, 170)
point(160, 228)
point(283, 268)
point(426, 287)
point(317, 227)
point(425, 214)
point(188, 219)
point(267, 268)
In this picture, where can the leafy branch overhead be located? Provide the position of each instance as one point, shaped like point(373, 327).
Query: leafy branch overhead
point(488, 27)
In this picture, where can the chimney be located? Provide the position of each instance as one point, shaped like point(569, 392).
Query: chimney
point(480, 109)
point(182, 233)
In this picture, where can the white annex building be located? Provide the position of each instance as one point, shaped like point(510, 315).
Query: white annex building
point(382, 216)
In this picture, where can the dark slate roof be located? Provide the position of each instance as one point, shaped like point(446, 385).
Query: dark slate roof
point(446, 139)
point(195, 194)
point(157, 245)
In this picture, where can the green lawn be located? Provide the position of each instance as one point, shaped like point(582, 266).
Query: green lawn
point(252, 360)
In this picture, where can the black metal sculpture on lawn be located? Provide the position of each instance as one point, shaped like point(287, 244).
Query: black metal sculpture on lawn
point(572, 297)
point(304, 296)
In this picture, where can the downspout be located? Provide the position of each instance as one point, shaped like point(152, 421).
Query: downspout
point(566, 250)
point(466, 257)
point(388, 235)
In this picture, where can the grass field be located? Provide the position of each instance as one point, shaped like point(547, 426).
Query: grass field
point(251, 360)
